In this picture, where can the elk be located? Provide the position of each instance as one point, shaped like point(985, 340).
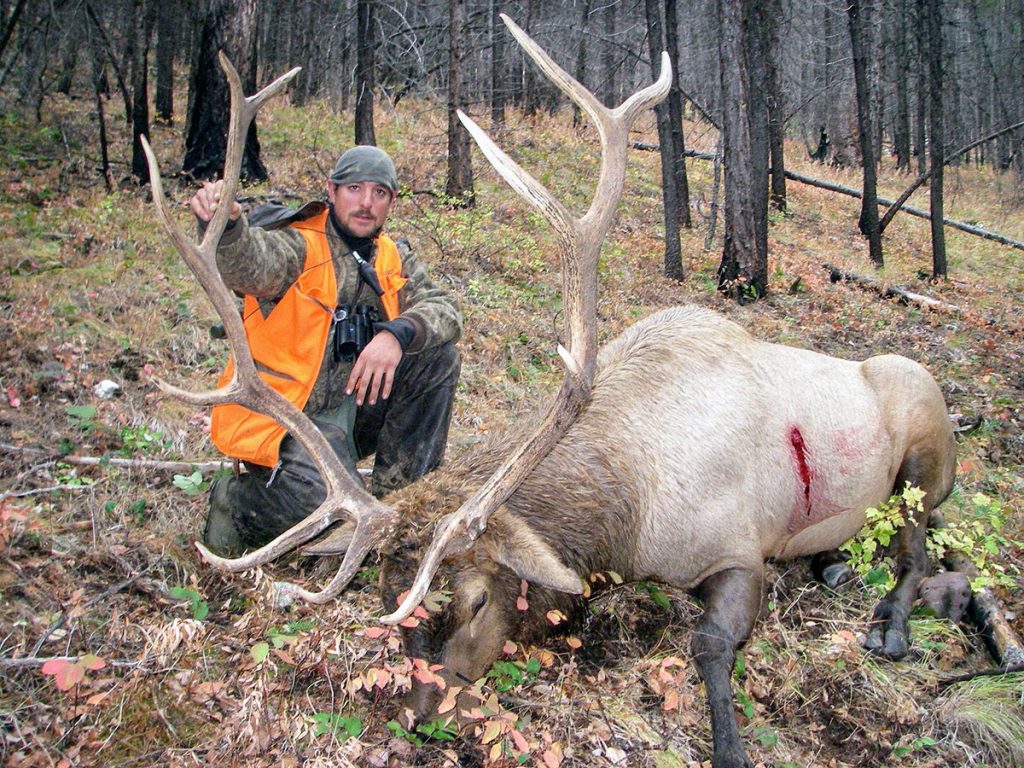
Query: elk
point(687, 452)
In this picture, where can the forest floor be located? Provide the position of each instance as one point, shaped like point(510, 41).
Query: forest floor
point(173, 663)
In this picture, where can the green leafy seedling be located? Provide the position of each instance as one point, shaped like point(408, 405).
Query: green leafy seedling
point(340, 726)
point(199, 607)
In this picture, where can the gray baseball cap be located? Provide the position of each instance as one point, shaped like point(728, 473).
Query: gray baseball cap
point(366, 163)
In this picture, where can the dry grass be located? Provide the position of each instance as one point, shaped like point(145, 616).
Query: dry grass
point(91, 290)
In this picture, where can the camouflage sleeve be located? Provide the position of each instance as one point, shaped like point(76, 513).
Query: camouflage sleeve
point(432, 310)
point(258, 262)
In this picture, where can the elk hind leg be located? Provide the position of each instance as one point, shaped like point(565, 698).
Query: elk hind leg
point(732, 600)
point(930, 470)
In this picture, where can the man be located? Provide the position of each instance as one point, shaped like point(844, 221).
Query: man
point(371, 359)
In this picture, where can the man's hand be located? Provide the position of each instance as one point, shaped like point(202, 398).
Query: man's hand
point(204, 202)
point(374, 371)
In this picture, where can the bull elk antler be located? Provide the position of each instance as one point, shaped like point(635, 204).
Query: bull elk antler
point(346, 497)
point(579, 241)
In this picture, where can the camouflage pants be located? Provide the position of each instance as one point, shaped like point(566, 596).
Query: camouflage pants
point(407, 433)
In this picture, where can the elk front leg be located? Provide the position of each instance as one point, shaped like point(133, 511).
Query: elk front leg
point(889, 635)
point(732, 600)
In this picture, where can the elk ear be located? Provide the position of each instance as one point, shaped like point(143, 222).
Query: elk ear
point(509, 540)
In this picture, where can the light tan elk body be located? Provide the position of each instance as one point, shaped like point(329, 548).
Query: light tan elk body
point(689, 453)
point(701, 453)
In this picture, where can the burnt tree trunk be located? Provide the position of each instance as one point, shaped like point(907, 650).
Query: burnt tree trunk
point(459, 187)
point(166, 45)
point(743, 273)
point(609, 93)
point(771, 17)
point(228, 25)
point(498, 70)
point(675, 114)
point(365, 74)
point(581, 59)
point(901, 120)
point(144, 17)
point(673, 250)
point(858, 13)
point(936, 134)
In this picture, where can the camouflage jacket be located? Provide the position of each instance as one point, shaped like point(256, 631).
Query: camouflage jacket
point(264, 263)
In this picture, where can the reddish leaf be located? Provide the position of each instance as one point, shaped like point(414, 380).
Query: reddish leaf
point(92, 661)
point(66, 675)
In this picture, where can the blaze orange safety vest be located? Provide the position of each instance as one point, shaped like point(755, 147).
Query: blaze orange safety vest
point(288, 344)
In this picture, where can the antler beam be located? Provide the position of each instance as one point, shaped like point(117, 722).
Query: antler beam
point(346, 497)
point(579, 248)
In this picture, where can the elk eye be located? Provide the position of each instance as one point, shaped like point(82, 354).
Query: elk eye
point(479, 603)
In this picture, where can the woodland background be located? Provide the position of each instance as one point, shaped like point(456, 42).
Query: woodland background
point(118, 647)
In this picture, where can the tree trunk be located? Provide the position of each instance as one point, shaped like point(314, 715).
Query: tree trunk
point(459, 187)
point(859, 13)
point(228, 25)
point(144, 16)
point(166, 45)
point(675, 112)
point(99, 85)
point(531, 97)
point(581, 59)
point(743, 273)
point(498, 68)
point(901, 125)
point(772, 16)
point(920, 140)
point(673, 251)
point(365, 72)
point(609, 94)
point(936, 137)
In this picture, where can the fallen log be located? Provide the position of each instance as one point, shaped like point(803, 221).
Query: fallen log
point(970, 229)
point(962, 226)
point(889, 291)
point(205, 467)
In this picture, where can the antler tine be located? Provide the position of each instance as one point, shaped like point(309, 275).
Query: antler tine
point(653, 94)
point(579, 244)
point(242, 112)
point(520, 180)
point(565, 82)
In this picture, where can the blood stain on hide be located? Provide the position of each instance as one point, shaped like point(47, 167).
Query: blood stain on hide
point(796, 439)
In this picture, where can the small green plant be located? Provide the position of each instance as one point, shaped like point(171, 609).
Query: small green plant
point(657, 595)
point(68, 475)
point(881, 525)
point(915, 746)
point(289, 633)
point(199, 607)
point(82, 417)
point(141, 440)
point(396, 728)
point(193, 484)
point(337, 725)
point(507, 675)
point(439, 729)
point(977, 536)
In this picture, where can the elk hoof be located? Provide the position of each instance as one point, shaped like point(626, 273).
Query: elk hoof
point(947, 594)
point(889, 636)
point(831, 569)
